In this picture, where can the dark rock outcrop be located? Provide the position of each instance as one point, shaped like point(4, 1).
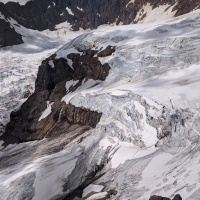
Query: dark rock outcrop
point(89, 67)
point(26, 125)
point(154, 197)
point(177, 197)
point(8, 35)
point(106, 52)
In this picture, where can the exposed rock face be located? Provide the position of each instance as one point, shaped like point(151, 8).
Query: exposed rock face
point(84, 66)
point(107, 52)
point(154, 197)
point(177, 197)
point(8, 35)
point(46, 14)
point(26, 125)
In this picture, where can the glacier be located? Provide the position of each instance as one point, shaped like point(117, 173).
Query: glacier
point(148, 139)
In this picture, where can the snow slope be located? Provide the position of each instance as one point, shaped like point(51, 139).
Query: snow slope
point(148, 139)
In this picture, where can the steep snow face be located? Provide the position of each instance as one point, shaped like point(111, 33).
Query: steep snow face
point(148, 139)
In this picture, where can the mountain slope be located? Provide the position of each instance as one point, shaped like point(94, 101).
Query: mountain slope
point(90, 14)
point(115, 109)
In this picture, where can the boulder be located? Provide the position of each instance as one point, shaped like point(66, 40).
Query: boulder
point(8, 35)
point(177, 197)
point(154, 197)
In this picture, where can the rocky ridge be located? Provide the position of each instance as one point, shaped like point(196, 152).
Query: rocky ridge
point(26, 124)
point(8, 35)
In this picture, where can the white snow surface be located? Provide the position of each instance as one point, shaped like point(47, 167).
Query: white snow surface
point(152, 91)
point(97, 196)
point(51, 63)
point(92, 188)
point(81, 9)
point(69, 11)
point(47, 112)
point(126, 152)
point(148, 14)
